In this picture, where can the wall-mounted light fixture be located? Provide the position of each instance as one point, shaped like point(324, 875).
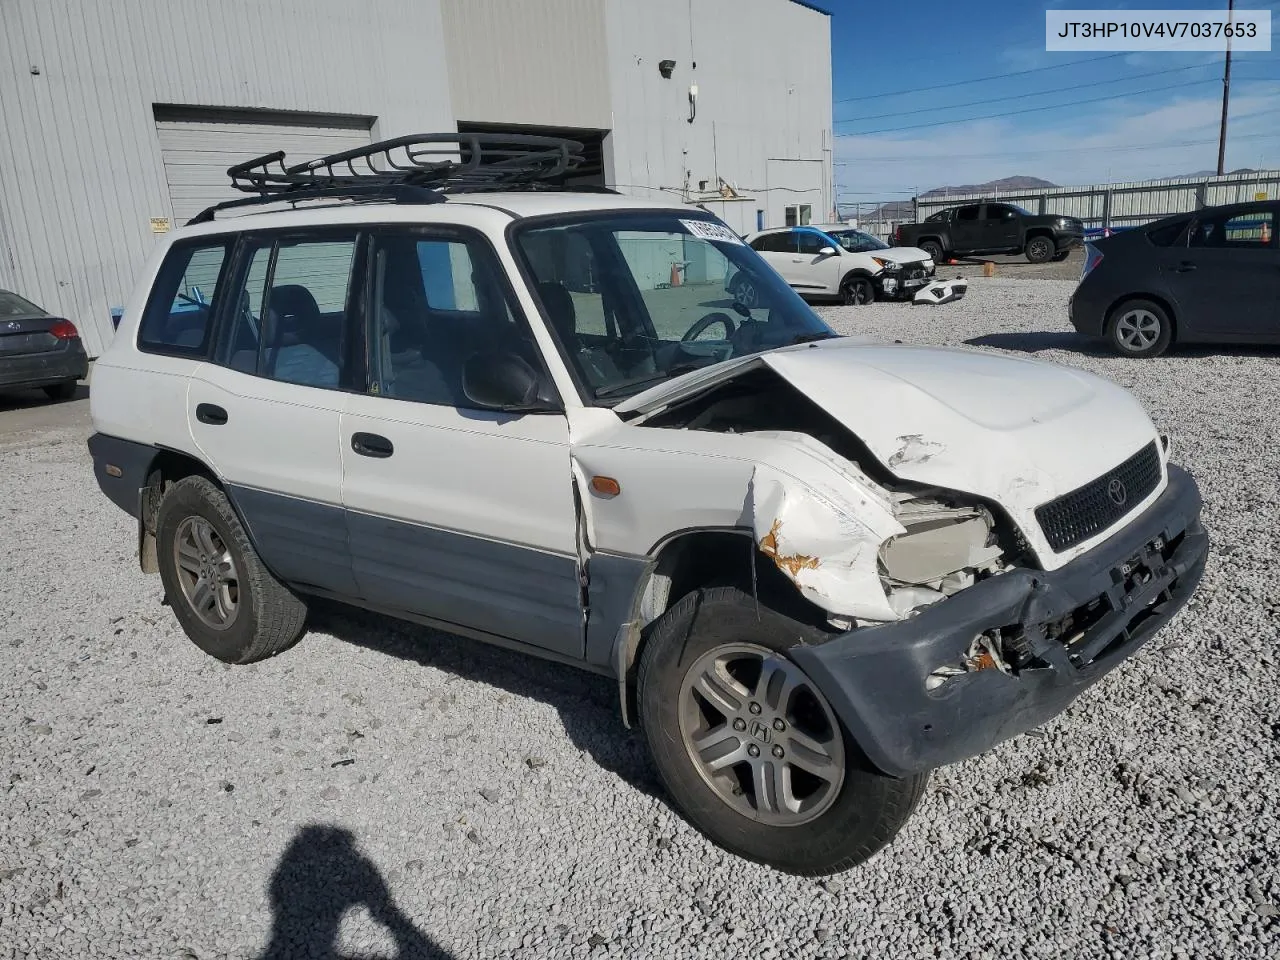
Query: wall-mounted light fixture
point(665, 67)
point(693, 102)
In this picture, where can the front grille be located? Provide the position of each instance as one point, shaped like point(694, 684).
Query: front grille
point(1076, 516)
point(914, 271)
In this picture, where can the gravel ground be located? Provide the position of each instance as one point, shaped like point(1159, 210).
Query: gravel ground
point(383, 790)
point(1016, 267)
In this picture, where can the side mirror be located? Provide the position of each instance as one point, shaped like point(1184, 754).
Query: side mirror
point(827, 252)
point(504, 381)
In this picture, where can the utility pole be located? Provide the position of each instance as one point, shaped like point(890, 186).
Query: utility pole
point(1226, 95)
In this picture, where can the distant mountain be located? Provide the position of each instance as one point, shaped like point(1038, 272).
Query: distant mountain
point(1007, 184)
point(1211, 173)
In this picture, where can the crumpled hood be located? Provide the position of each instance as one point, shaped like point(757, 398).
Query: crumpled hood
point(1015, 431)
point(901, 254)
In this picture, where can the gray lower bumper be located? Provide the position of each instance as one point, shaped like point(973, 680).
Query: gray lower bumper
point(875, 678)
point(23, 371)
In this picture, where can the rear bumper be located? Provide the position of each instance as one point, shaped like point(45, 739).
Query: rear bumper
point(27, 370)
point(131, 461)
point(1131, 585)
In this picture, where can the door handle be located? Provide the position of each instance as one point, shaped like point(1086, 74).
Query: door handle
point(211, 414)
point(372, 445)
point(1185, 267)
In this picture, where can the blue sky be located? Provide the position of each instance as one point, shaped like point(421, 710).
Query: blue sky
point(1154, 115)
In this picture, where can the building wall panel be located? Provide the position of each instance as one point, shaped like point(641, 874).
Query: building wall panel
point(80, 162)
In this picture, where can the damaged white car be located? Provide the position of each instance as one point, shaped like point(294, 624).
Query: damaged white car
point(817, 568)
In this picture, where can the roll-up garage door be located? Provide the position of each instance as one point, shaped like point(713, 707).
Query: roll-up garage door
point(198, 145)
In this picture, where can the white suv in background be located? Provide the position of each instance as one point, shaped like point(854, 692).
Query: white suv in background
point(838, 261)
point(816, 568)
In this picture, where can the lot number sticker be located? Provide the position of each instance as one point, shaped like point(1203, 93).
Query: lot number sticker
point(710, 231)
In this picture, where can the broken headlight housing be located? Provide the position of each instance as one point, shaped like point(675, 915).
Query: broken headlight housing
point(946, 548)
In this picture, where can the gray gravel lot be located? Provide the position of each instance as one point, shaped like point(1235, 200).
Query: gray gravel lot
point(383, 790)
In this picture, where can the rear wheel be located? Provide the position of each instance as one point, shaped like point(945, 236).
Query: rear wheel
point(932, 248)
point(1139, 328)
point(61, 391)
point(857, 291)
point(749, 747)
point(1040, 249)
point(225, 599)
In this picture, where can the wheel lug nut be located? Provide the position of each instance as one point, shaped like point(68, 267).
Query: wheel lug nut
point(777, 751)
point(779, 725)
point(739, 724)
point(754, 707)
point(753, 751)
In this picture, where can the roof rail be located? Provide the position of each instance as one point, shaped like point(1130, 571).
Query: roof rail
point(420, 168)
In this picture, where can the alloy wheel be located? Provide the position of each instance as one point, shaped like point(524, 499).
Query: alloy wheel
point(1137, 330)
point(206, 572)
point(761, 735)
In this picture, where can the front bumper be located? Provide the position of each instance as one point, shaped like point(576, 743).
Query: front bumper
point(1069, 241)
point(911, 277)
point(875, 677)
point(22, 371)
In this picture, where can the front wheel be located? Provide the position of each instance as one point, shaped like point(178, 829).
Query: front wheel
point(749, 747)
point(1139, 328)
point(857, 292)
point(1040, 249)
point(933, 249)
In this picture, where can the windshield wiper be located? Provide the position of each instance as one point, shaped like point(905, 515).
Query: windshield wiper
point(673, 371)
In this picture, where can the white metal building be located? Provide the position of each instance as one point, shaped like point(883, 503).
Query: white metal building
point(120, 117)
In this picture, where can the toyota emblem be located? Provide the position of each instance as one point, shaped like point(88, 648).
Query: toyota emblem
point(1117, 492)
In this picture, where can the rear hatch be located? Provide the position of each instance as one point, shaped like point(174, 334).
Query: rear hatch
point(23, 335)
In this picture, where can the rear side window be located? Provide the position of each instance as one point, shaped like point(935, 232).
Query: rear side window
point(178, 317)
point(1166, 235)
point(295, 317)
point(783, 242)
point(1253, 230)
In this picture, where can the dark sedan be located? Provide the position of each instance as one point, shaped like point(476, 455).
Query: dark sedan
point(38, 350)
point(1212, 276)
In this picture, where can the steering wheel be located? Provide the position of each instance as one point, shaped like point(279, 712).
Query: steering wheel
point(710, 320)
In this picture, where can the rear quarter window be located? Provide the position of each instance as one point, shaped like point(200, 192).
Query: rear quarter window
point(178, 318)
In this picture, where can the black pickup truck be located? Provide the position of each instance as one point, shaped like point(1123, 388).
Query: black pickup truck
point(992, 228)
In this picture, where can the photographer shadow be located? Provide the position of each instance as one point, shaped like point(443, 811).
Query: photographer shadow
point(321, 876)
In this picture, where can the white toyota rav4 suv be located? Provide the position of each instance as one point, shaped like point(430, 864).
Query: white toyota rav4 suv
point(817, 568)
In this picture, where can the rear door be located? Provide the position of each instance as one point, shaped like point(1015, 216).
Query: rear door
point(1227, 279)
point(967, 228)
point(266, 414)
point(778, 250)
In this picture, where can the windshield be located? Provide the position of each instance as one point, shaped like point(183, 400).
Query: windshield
point(635, 300)
point(12, 305)
point(855, 241)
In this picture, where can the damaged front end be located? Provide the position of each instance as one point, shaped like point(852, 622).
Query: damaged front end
point(863, 570)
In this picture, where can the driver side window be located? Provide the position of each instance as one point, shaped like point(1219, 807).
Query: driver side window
point(811, 243)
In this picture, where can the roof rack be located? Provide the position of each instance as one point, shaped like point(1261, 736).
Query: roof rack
point(420, 168)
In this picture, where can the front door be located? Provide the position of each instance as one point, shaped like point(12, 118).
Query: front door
point(1000, 227)
point(815, 271)
point(459, 514)
point(1227, 280)
point(266, 413)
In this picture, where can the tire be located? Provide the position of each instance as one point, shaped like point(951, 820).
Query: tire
point(1139, 328)
point(857, 291)
point(58, 392)
point(932, 248)
point(1040, 249)
point(259, 616)
point(1061, 255)
point(744, 292)
point(840, 819)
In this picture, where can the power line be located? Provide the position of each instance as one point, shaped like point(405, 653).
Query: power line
point(994, 76)
point(1016, 113)
point(1024, 96)
point(1039, 153)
